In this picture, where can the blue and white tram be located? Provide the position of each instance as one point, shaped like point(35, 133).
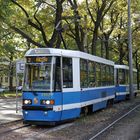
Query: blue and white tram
point(61, 84)
point(122, 82)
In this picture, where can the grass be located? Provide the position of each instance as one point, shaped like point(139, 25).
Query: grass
point(9, 94)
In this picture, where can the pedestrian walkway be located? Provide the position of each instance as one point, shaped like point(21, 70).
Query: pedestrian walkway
point(8, 110)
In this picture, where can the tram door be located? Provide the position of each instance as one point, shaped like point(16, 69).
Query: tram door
point(70, 97)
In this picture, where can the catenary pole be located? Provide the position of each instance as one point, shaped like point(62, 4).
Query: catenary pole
point(130, 52)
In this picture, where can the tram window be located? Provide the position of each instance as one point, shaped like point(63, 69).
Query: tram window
point(83, 73)
point(135, 77)
point(111, 75)
point(108, 75)
point(91, 74)
point(103, 75)
point(38, 75)
point(98, 74)
point(41, 76)
point(126, 76)
point(121, 76)
point(57, 75)
point(117, 77)
point(67, 73)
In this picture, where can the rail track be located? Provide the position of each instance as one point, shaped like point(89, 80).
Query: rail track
point(45, 131)
point(4, 133)
point(26, 132)
point(16, 128)
point(32, 132)
point(114, 122)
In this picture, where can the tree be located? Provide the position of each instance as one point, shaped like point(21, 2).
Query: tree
point(101, 8)
point(80, 25)
point(77, 33)
point(108, 25)
point(8, 56)
point(30, 25)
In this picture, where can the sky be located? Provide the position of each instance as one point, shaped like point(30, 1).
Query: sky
point(80, 0)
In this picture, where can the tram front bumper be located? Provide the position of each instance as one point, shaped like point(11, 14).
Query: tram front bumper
point(43, 108)
point(39, 114)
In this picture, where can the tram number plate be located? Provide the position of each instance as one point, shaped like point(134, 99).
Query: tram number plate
point(47, 95)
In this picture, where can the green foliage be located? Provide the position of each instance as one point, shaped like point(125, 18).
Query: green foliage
point(45, 12)
point(9, 94)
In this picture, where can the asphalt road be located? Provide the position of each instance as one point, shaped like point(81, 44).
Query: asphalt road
point(8, 110)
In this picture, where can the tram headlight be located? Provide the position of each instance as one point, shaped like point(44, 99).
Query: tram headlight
point(27, 102)
point(47, 102)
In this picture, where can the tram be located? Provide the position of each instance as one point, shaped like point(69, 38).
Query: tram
point(122, 82)
point(61, 84)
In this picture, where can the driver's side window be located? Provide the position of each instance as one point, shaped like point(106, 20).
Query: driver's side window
point(67, 72)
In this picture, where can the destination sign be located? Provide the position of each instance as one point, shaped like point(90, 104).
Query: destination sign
point(38, 59)
point(41, 59)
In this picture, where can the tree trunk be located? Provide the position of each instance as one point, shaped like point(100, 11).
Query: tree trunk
point(11, 68)
point(106, 45)
point(121, 55)
point(137, 67)
point(58, 25)
point(94, 41)
point(102, 46)
point(11, 76)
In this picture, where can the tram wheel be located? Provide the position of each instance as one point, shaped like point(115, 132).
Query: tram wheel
point(110, 103)
point(84, 111)
point(135, 95)
point(127, 97)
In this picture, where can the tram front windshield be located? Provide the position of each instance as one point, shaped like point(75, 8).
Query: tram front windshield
point(38, 74)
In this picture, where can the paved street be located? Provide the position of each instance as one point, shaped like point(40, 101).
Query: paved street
point(8, 110)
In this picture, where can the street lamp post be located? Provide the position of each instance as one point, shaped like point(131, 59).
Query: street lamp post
point(130, 52)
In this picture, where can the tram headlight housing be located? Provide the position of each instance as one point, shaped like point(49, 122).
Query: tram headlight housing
point(27, 102)
point(47, 102)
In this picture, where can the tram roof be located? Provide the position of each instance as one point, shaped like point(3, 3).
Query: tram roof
point(124, 67)
point(66, 53)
